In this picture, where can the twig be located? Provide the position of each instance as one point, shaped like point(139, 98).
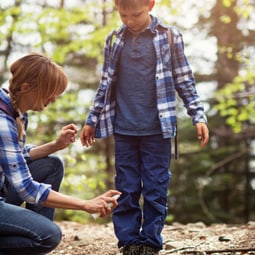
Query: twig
point(226, 161)
point(180, 249)
point(184, 248)
point(225, 250)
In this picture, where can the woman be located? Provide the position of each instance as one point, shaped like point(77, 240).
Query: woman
point(28, 173)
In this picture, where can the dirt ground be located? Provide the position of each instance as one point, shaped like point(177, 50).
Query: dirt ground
point(194, 239)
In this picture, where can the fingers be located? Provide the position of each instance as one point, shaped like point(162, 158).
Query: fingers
point(82, 138)
point(87, 136)
point(70, 134)
point(111, 193)
point(87, 141)
point(108, 202)
point(111, 198)
point(202, 133)
point(103, 204)
point(71, 127)
point(107, 209)
point(66, 136)
point(110, 205)
point(204, 140)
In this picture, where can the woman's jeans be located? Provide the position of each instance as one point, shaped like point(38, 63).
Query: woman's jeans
point(23, 231)
point(142, 168)
point(31, 230)
point(49, 170)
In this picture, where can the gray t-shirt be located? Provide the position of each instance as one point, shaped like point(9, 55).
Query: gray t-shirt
point(136, 110)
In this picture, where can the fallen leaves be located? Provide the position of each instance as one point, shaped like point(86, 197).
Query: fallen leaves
point(192, 239)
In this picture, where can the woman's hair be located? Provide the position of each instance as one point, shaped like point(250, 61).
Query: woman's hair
point(127, 4)
point(40, 73)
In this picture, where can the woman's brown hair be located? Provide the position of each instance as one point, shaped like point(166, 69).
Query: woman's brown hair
point(39, 72)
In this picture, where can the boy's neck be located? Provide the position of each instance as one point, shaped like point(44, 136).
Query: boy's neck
point(146, 25)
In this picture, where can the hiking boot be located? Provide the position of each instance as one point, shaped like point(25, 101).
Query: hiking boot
point(132, 249)
point(148, 250)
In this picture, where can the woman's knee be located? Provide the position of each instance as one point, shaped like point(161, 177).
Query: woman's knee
point(52, 239)
point(58, 165)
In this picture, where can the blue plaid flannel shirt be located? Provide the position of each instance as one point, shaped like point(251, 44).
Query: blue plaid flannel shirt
point(14, 155)
point(173, 73)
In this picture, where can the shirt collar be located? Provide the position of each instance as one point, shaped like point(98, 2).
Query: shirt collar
point(21, 115)
point(4, 95)
point(155, 24)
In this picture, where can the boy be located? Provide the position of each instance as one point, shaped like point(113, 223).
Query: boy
point(135, 101)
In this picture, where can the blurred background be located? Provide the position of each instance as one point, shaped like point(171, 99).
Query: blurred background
point(215, 184)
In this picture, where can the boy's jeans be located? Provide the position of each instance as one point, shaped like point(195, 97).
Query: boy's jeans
point(23, 231)
point(142, 168)
point(47, 170)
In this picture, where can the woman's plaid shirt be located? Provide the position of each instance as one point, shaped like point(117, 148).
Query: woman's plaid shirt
point(14, 155)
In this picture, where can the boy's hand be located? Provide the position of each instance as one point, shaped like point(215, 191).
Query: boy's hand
point(202, 133)
point(87, 136)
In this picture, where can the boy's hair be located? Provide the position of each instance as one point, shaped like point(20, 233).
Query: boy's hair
point(127, 4)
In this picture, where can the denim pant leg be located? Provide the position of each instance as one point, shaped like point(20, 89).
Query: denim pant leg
point(156, 157)
point(23, 231)
point(49, 170)
point(127, 217)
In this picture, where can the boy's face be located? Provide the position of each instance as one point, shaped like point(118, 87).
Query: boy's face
point(137, 18)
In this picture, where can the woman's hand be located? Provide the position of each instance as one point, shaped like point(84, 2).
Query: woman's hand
point(99, 205)
point(66, 136)
point(102, 204)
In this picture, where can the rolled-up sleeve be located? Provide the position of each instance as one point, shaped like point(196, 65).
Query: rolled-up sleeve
point(26, 152)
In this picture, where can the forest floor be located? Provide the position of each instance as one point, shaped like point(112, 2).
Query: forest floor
point(192, 239)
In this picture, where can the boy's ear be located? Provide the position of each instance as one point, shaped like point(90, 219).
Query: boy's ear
point(152, 3)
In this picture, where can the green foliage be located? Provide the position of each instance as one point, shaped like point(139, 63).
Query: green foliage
point(236, 102)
